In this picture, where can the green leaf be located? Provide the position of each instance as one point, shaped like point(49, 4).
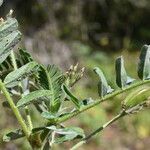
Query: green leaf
point(23, 57)
point(67, 134)
point(14, 77)
point(144, 63)
point(103, 87)
point(121, 76)
point(49, 115)
point(9, 37)
point(136, 97)
point(7, 44)
point(6, 66)
point(8, 26)
point(51, 78)
point(13, 135)
point(71, 97)
point(33, 97)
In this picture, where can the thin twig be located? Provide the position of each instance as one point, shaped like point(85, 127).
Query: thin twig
point(84, 140)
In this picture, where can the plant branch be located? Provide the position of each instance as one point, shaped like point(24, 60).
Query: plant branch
point(14, 109)
point(122, 114)
point(84, 140)
point(13, 59)
point(109, 96)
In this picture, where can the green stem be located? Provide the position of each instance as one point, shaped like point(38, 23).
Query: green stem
point(14, 109)
point(78, 145)
point(122, 114)
point(13, 59)
point(29, 118)
point(84, 140)
point(109, 96)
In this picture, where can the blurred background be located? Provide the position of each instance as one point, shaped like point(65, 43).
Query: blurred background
point(92, 33)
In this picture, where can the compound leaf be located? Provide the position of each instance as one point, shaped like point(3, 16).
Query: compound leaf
point(51, 78)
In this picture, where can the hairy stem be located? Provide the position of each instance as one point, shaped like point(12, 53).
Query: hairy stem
point(14, 109)
point(13, 59)
point(28, 118)
point(84, 140)
point(109, 96)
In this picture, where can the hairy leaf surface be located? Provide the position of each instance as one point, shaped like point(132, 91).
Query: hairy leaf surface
point(15, 76)
point(51, 78)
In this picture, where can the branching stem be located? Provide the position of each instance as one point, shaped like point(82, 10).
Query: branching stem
point(14, 109)
point(13, 59)
point(84, 140)
point(109, 96)
point(105, 125)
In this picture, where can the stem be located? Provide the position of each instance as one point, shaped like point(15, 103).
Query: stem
point(14, 109)
point(84, 140)
point(78, 145)
point(105, 125)
point(29, 118)
point(13, 59)
point(109, 96)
